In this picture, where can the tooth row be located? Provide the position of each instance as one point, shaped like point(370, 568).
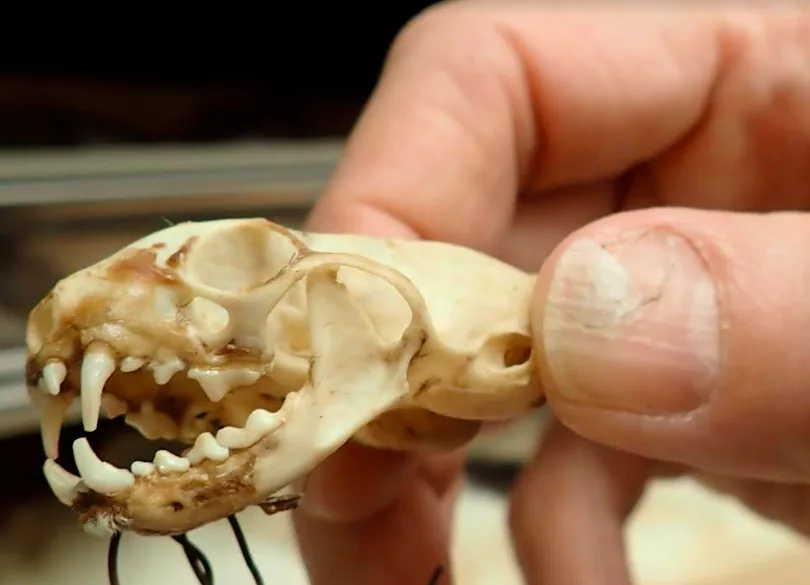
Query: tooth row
point(104, 478)
point(259, 424)
point(55, 371)
point(98, 365)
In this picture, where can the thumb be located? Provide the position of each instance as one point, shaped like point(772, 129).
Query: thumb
point(684, 336)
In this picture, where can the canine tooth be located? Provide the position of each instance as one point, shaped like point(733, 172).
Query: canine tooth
point(167, 462)
point(142, 468)
point(113, 406)
point(163, 371)
point(52, 413)
point(217, 383)
point(97, 367)
point(260, 423)
point(131, 364)
point(206, 447)
point(99, 475)
point(64, 484)
point(53, 374)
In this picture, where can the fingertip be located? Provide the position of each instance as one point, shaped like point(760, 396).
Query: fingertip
point(670, 333)
point(568, 507)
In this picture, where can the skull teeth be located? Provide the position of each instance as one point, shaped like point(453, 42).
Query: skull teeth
point(142, 468)
point(259, 424)
point(97, 367)
point(216, 383)
point(167, 462)
point(53, 374)
point(99, 475)
point(207, 447)
point(163, 371)
point(99, 363)
point(131, 364)
point(64, 484)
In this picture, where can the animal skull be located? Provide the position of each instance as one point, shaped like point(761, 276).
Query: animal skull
point(265, 350)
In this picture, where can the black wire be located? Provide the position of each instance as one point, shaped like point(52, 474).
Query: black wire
point(245, 550)
point(196, 558)
point(199, 563)
point(437, 574)
point(112, 559)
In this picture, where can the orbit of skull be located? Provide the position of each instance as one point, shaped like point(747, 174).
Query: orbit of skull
point(264, 350)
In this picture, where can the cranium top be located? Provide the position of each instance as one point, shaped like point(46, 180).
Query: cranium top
point(265, 349)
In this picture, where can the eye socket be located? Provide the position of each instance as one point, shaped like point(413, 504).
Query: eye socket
point(239, 257)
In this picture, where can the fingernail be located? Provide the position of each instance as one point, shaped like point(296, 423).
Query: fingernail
point(633, 324)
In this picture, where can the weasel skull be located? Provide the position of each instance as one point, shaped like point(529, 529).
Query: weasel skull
point(264, 350)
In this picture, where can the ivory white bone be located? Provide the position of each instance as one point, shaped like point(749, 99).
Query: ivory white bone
point(268, 349)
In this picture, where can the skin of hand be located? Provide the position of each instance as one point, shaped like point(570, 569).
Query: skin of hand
point(652, 164)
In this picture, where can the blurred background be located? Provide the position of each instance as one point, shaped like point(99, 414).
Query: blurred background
point(113, 125)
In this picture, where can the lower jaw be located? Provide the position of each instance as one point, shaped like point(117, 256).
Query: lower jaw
point(176, 503)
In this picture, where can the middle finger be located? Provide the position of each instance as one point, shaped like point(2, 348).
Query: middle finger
point(568, 510)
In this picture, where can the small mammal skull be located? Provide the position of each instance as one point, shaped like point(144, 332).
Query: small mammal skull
point(266, 349)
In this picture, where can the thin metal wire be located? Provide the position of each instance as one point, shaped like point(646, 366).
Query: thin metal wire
point(437, 574)
point(112, 558)
point(245, 550)
point(199, 564)
point(198, 561)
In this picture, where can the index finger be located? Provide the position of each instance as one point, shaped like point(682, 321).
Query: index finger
point(478, 102)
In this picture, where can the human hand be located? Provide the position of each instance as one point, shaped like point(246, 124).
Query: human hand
point(632, 156)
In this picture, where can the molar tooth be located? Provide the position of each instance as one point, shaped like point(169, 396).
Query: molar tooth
point(151, 423)
point(167, 462)
point(131, 364)
point(216, 383)
point(53, 374)
point(142, 468)
point(163, 371)
point(97, 367)
point(259, 424)
point(99, 475)
point(207, 447)
point(64, 484)
point(113, 406)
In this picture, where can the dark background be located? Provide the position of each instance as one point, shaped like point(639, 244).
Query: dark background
point(273, 70)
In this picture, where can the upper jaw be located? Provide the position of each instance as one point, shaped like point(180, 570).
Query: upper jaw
point(93, 341)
